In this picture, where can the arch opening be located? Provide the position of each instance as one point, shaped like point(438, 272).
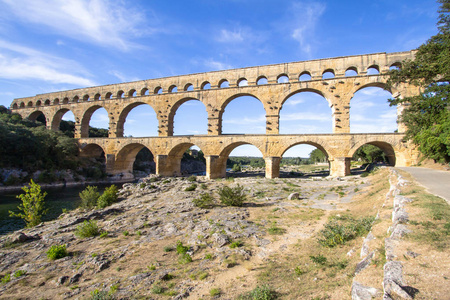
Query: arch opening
point(64, 120)
point(242, 82)
point(224, 83)
point(282, 78)
point(352, 71)
point(304, 159)
point(187, 159)
point(370, 111)
point(262, 80)
point(243, 114)
point(328, 74)
point(47, 102)
point(189, 87)
point(372, 154)
point(189, 117)
point(145, 92)
point(137, 120)
point(94, 161)
point(395, 66)
point(173, 89)
point(108, 96)
point(373, 70)
point(144, 163)
point(158, 90)
point(243, 160)
point(305, 76)
point(305, 111)
point(95, 122)
point(38, 117)
point(206, 85)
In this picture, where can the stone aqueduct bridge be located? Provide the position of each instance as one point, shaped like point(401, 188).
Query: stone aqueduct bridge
point(166, 95)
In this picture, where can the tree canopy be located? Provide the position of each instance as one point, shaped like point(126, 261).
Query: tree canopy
point(427, 115)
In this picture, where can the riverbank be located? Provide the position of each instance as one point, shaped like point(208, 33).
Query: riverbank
point(271, 241)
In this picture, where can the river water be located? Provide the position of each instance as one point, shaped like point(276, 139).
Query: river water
point(56, 200)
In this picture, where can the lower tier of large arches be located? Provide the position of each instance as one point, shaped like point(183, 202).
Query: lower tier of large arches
point(167, 152)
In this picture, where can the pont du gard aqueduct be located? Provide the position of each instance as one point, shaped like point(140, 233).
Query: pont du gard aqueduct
point(215, 90)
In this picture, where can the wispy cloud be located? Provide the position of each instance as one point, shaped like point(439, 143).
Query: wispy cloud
point(122, 77)
point(106, 23)
point(18, 62)
point(227, 36)
point(307, 116)
point(245, 120)
point(306, 16)
point(216, 65)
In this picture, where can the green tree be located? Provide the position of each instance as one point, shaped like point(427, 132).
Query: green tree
point(427, 115)
point(317, 156)
point(370, 154)
point(32, 206)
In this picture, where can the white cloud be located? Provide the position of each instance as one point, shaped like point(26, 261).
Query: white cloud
point(18, 62)
point(306, 16)
point(245, 120)
point(122, 77)
point(294, 102)
point(227, 36)
point(217, 65)
point(307, 116)
point(107, 23)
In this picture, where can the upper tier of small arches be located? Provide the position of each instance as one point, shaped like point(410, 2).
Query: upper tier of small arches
point(272, 74)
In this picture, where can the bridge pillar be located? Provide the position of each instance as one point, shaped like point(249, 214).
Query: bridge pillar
point(272, 166)
point(214, 126)
point(78, 131)
point(168, 165)
point(216, 166)
point(114, 130)
point(272, 124)
point(340, 166)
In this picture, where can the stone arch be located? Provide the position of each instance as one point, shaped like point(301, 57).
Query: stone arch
point(158, 90)
point(223, 83)
point(305, 76)
point(369, 106)
point(56, 101)
point(188, 87)
point(38, 103)
point(86, 98)
point(22, 105)
point(242, 82)
point(351, 71)
point(57, 117)
point(373, 70)
point(205, 85)
point(132, 93)
point(282, 78)
point(174, 109)
point(386, 147)
point(86, 118)
point(30, 104)
point(123, 116)
point(15, 106)
point(230, 99)
point(321, 146)
point(328, 74)
point(144, 91)
point(125, 157)
point(173, 88)
point(108, 96)
point(76, 99)
point(395, 66)
point(92, 150)
point(35, 115)
point(66, 100)
point(261, 80)
point(97, 97)
point(173, 161)
point(120, 94)
point(311, 90)
point(47, 102)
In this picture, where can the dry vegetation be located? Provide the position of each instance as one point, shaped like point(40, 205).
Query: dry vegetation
point(282, 257)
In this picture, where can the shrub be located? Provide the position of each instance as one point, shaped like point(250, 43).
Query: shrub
point(89, 197)
point(274, 230)
point(215, 292)
point(32, 204)
point(168, 248)
point(342, 229)
point(191, 188)
point(19, 273)
point(236, 168)
point(109, 196)
point(181, 249)
point(263, 292)
point(236, 244)
point(192, 178)
point(157, 289)
point(205, 201)
point(319, 259)
point(6, 278)
point(57, 252)
point(100, 295)
point(232, 196)
point(185, 259)
point(87, 229)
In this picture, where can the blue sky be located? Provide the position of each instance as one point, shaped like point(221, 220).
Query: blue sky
point(51, 45)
